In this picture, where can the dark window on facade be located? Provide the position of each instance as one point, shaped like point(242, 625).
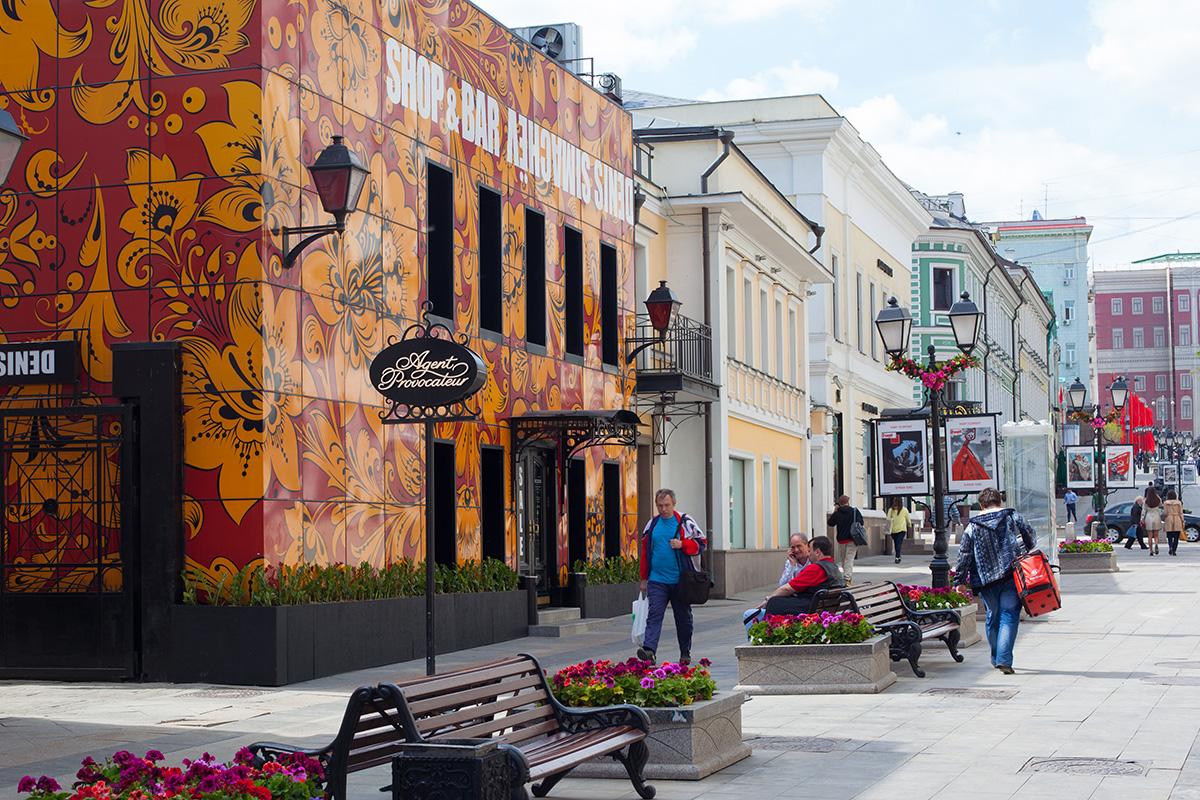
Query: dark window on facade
point(573, 276)
point(608, 304)
point(943, 289)
point(444, 497)
point(439, 242)
point(491, 502)
point(491, 279)
point(535, 277)
point(576, 512)
point(612, 510)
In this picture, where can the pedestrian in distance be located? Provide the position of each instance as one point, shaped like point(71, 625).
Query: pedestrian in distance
point(667, 539)
point(992, 544)
point(1152, 519)
point(1135, 530)
point(843, 517)
point(952, 515)
point(1173, 521)
point(900, 525)
point(797, 557)
point(1070, 498)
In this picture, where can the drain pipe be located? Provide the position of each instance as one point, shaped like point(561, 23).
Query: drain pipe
point(726, 138)
point(1017, 347)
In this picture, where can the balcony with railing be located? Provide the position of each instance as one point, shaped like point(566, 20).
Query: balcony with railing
point(680, 363)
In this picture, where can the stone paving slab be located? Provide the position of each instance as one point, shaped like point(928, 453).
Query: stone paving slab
point(1089, 684)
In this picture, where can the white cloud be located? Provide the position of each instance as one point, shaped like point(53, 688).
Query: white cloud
point(781, 81)
point(883, 118)
point(1150, 46)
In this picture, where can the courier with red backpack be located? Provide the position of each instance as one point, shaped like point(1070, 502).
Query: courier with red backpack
point(1036, 585)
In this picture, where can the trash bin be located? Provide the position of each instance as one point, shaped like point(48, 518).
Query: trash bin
point(452, 769)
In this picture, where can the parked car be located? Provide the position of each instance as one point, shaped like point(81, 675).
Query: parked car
point(1119, 518)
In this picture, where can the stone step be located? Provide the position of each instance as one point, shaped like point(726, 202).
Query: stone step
point(549, 616)
point(570, 628)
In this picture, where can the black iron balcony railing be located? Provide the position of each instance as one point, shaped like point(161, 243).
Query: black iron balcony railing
point(680, 361)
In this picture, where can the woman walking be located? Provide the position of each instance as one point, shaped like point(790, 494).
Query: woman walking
point(1152, 518)
point(1172, 521)
point(900, 523)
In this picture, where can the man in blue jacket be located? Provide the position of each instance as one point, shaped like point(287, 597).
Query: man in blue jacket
point(991, 545)
point(668, 538)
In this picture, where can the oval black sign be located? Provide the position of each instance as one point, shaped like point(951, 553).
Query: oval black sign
point(428, 372)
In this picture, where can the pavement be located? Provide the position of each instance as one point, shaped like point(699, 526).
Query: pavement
point(1113, 675)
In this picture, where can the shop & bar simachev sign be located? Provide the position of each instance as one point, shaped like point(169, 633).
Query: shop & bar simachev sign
point(1077, 400)
point(895, 327)
point(428, 377)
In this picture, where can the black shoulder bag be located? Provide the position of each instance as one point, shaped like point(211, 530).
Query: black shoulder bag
point(694, 585)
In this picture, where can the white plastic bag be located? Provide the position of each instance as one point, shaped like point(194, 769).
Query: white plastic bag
point(641, 610)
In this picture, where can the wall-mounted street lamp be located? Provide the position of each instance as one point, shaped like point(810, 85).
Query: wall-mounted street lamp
point(340, 178)
point(895, 326)
point(11, 140)
point(662, 305)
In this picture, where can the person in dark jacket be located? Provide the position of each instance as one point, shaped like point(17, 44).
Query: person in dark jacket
point(796, 596)
point(842, 517)
point(667, 539)
point(1135, 529)
point(991, 545)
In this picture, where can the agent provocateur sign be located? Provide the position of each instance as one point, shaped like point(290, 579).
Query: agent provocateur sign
point(37, 363)
point(427, 371)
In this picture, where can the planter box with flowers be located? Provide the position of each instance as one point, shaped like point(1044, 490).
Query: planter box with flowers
point(926, 598)
point(275, 626)
point(1087, 555)
point(692, 733)
point(127, 777)
point(814, 654)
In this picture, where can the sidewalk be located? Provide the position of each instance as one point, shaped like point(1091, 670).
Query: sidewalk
point(1113, 675)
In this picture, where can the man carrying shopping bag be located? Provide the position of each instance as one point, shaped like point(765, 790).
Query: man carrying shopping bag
point(666, 539)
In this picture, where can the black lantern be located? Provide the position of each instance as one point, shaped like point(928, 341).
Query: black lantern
point(11, 140)
point(662, 305)
point(965, 319)
point(339, 177)
point(1076, 395)
point(894, 325)
point(1120, 393)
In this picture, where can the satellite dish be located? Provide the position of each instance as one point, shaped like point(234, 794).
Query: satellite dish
point(549, 41)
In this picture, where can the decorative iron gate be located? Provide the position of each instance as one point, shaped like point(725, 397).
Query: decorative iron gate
point(67, 552)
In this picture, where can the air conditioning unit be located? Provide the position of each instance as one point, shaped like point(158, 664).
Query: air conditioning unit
point(1066, 322)
point(562, 42)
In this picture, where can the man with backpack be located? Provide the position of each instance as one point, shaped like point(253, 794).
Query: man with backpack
point(843, 518)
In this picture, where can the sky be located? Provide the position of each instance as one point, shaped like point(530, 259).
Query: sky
point(1070, 107)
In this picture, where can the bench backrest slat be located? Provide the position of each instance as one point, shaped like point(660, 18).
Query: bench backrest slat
point(416, 689)
point(879, 602)
point(474, 695)
point(496, 725)
point(458, 714)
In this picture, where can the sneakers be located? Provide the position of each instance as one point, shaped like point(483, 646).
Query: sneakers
point(645, 654)
point(1005, 668)
point(685, 658)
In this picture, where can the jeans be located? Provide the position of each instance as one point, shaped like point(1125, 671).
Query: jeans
point(1003, 616)
point(846, 551)
point(659, 594)
point(1071, 512)
point(897, 543)
point(1172, 541)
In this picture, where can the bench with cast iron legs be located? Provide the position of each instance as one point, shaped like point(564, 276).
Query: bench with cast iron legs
point(882, 605)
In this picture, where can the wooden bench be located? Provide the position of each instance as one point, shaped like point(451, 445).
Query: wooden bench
point(885, 608)
point(509, 700)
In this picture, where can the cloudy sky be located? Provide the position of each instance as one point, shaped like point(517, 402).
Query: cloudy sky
point(1070, 107)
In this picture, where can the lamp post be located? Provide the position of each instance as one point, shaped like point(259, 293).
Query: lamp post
point(11, 140)
point(339, 176)
point(1077, 397)
point(895, 326)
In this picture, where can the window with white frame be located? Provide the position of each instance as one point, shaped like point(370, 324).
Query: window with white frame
point(1185, 303)
point(747, 322)
point(1158, 305)
point(1139, 383)
point(858, 300)
point(1068, 273)
point(1068, 311)
point(793, 343)
point(780, 353)
point(1135, 305)
point(1160, 383)
point(870, 333)
point(731, 326)
point(738, 512)
point(1185, 408)
point(943, 288)
point(1118, 339)
point(1116, 305)
point(1069, 353)
point(1160, 337)
point(783, 500)
point(764, 332)
point(1139, 337)
point(835, 268)
point(1185, 335)
point(1185, 380)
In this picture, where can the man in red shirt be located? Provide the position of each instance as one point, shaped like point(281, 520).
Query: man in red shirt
point(795, 596)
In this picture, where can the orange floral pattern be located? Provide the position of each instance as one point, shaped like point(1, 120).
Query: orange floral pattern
point(167, 144)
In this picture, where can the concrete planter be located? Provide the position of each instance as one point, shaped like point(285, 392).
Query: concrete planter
point(863, 668)
point(1088, 562)
point(969, 628)
point(686, 743)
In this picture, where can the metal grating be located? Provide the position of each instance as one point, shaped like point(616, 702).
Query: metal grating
point(1174, 680)
point(807, 744)
point(974, 694)
point(1086, 766)
point(226, 694)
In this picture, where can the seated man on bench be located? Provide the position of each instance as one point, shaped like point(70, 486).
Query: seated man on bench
point(796, 596)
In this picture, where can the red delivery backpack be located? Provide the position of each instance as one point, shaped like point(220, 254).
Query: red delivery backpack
point(1036, 584)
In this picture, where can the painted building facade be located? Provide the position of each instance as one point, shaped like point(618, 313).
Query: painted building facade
point(1146, 323)
point(168, 146)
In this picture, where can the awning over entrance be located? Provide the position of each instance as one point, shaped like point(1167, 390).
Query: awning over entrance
point(574, 430)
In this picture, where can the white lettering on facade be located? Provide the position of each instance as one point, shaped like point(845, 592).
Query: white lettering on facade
point(416, 371)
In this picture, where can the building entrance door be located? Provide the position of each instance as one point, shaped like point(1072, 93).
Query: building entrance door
point(537, 492)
